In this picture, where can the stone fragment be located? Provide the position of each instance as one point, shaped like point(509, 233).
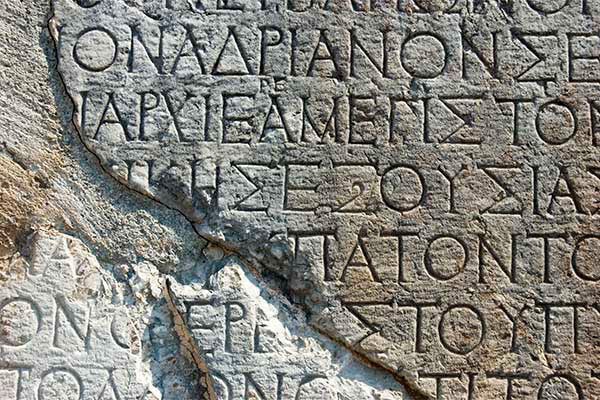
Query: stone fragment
point(256, 345)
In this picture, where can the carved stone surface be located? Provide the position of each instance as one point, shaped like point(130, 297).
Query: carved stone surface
point(69, 330)
point(423, 174)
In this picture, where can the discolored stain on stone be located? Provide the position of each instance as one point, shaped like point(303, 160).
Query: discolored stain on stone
point(22, 197)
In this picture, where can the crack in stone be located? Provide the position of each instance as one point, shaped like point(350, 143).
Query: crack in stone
point(189, 344)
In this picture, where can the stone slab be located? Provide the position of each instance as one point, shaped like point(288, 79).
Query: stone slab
point(423, 174)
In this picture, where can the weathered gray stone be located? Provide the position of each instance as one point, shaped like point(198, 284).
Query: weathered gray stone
point(423, 175)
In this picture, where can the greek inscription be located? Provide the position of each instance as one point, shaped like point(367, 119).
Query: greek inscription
point(423, 175)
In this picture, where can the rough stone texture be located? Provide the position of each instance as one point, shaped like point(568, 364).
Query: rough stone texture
point(49, 183)
point(419, 177)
